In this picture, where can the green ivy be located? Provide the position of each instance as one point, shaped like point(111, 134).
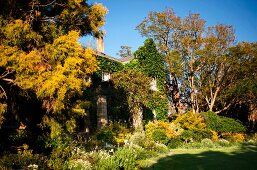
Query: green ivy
point(108, 65)
point(151, 62)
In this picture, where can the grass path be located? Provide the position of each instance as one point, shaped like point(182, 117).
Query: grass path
point(233, 158)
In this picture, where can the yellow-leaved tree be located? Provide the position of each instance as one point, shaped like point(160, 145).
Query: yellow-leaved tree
point(42, 58)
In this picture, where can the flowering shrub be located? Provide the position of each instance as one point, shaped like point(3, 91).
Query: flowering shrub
point(234, 137)
point(190, 121)
point(115, 133)
point(162, 130)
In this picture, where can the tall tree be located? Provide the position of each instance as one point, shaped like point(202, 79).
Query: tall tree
point(40, 54)
point(217, 63)
point(137, 88)
point(125, 51)
point(152, 63)
point(162, 27)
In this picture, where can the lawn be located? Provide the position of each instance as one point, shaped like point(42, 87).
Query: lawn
point(243, 157)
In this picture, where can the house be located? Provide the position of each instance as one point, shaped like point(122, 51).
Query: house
point(103, 88)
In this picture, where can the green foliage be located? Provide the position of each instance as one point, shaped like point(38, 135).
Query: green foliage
point(151, 61)
point(62, 150)
point(105, 135)
point(175, 143)
point(195, 135)
point(108, 65)
point(223, 124)
point(159, 135)
point(125, 158)
point(137, 88)
point(24, 159)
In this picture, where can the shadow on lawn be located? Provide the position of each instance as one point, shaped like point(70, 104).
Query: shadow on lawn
point(244, 158)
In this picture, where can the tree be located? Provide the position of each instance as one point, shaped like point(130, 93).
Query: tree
point(240, 87)
point(162, 27)
point(51, 18)
point(41, 55)
point(152, 64)
point(125, 51)
point(217, 63)
point(137, 88)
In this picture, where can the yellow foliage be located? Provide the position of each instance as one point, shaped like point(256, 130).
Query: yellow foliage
point(71, 125)
point(190, 121)
point(56, 72)
point(235, 137)
point(215, 135)
point(55, 127)
point(239, 137)
point(19, 33)
point(171, 130)
point(3, 108)
point(96, 16)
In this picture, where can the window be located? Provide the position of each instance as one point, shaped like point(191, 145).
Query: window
point(106, 76)
point(153, 85)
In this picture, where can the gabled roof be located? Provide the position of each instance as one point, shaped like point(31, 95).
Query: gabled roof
point(127, 59)
point(122, 60)
point(107, 56)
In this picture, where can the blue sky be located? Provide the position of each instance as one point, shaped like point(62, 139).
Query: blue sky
point(125, 15)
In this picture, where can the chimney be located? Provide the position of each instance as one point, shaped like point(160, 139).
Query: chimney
point(100, 44)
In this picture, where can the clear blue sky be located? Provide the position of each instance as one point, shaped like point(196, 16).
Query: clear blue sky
point(125, 15)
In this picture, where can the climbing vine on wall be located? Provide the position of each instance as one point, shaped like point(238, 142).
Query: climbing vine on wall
point(151, 63)
point(108, 65)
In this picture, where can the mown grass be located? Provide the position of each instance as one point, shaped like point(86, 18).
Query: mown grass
point(235, 158)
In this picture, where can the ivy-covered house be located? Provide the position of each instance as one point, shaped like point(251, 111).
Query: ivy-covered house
point(108, 103)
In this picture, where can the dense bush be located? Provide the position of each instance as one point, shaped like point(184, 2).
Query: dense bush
point(160, 136)
point(223, 124)
point(162, 130)
point(234, 137)
point(24, 159)
point(115, 133)
point(175, 143)
point(195, 135)
point(190, 121)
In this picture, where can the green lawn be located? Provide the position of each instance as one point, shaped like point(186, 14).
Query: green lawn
point(235, 158)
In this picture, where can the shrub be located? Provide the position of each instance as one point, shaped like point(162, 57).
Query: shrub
point(24, 159)
point(102, 160)
point(223, 143)
point(105, 135)
point(195, 135)
point(215, 135)
point(207, 143)
point(234, 137)
point(190, 121)
point(79, 164)
point(138, 138)
point(160, 136)
point(62, 150)
point(115, 133)
point(125, 158)
point(223, 124)
point(175, 143)
point(160, 127)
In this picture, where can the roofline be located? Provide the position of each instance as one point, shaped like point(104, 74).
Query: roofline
point(107, 56)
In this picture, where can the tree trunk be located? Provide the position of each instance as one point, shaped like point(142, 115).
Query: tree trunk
point(175, 106)
point(137, 118)
point(102, 119)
